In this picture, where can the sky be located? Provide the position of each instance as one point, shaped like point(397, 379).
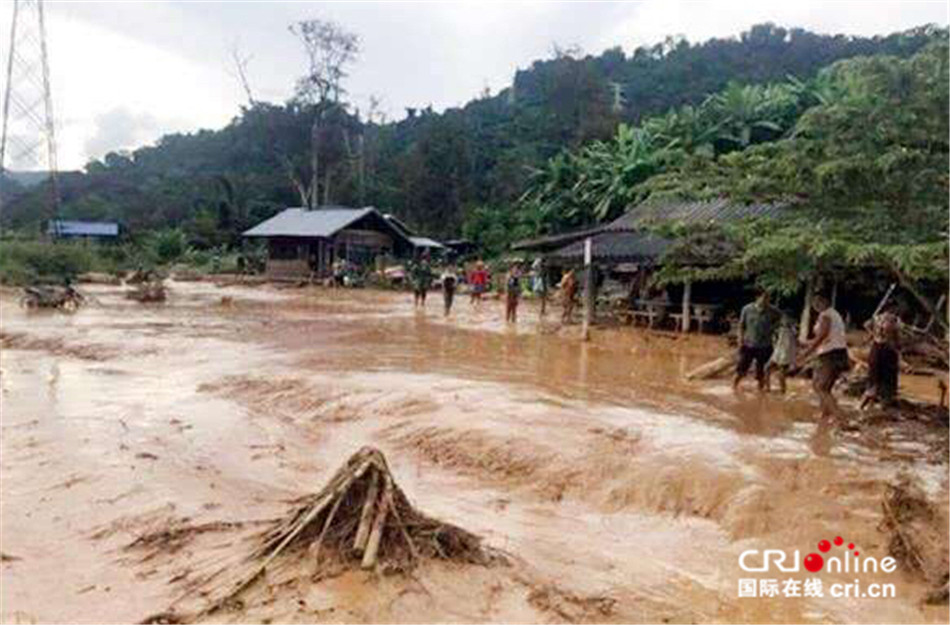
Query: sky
point(124, 73)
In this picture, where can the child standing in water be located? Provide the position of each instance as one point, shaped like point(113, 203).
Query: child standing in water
point(513, 288)
point(784, 352)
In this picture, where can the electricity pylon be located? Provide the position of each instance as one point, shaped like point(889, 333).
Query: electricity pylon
point(29, 132)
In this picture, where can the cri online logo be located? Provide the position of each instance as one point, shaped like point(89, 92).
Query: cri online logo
point(814, 562)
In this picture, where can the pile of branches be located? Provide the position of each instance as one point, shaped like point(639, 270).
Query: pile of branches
point(921, 346)
point(46, 296)
point(148, 291)
point(361, 518)
point(917, 535)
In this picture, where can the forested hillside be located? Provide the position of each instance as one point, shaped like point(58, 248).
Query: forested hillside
point(481, 169)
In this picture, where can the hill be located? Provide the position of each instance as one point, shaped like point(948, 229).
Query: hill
point(434, 170)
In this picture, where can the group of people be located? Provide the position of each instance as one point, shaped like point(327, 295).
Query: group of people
point(422, 277)
point(767, 339)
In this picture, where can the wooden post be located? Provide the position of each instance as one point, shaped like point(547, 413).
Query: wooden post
point(543, 276)
point(588, 287)
point(687, 292)
point(834, 293)
point(805, 324)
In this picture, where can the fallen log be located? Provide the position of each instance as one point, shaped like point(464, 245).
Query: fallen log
point(713, 368)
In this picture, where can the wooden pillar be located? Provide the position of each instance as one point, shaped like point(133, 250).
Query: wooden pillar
point(543, 271)
point(834, 294)
point(588, 288)
point(805, 324)
point(687, 293)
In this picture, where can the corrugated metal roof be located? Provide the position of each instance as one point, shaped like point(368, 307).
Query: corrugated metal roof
point(553, 241)
point(302, 222)
point(399, 224)
point(708, 211)
point(616, 246)
point(83, 228)
point(426, 242)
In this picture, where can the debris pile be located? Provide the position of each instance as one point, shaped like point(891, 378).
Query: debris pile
point(363, 519)
point(148, 291)
point(917, 535)
point(59, 297)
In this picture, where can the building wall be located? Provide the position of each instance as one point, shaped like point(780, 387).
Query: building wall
point(298, 257)
point(287, 257)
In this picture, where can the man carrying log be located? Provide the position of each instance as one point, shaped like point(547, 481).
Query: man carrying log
point(831, 346)
point(756, 325)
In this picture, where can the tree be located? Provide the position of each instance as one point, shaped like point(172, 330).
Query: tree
point(865, 175)
point(329, 49)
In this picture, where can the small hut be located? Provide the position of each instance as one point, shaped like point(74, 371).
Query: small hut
point(303, 242)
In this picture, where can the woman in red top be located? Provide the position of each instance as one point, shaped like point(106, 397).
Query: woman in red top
point(479, 281)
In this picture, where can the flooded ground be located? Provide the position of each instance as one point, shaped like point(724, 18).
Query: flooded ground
point(142, 444)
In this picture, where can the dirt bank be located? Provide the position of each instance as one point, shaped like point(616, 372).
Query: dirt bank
point(142, 447)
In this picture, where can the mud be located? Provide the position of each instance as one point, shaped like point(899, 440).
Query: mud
point(144, 446)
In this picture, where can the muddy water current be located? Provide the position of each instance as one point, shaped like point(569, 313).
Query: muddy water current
point(621, 492)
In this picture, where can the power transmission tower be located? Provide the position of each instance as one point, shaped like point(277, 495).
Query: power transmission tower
point(29, 137)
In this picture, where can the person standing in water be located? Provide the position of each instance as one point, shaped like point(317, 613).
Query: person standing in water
point(568, 287)
point(783, 353)
point(512, 294)
point(831, 346)
point(756, 326)
point(421, 281)
point(883, 359)
point(449, 282)
point(479, 282)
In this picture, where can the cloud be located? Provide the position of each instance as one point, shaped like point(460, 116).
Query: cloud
point(167, 66)
point(119, 128)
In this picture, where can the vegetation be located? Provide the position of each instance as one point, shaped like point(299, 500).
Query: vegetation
point(435, 171)
point(851, 133)
point(865, 170)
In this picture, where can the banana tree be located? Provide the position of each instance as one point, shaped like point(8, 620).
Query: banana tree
point(611, 171)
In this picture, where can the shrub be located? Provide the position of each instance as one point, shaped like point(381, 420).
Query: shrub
point(25, 262)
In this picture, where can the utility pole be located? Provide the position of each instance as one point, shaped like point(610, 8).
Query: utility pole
point(28, 140)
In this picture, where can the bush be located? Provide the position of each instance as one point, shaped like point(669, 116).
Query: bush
point(167, 246)
point(27, 262)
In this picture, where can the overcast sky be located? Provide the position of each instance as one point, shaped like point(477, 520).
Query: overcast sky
point(125, 73)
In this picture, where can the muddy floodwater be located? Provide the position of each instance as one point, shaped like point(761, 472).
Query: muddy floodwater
point(621, 492)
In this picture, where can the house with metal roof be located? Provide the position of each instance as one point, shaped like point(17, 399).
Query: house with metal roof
point(302, 242)
point(420, 243)
point(630, 250)
point(82, 229)
point(628, 239)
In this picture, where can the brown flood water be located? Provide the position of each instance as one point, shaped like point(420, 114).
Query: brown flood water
point(623, 493)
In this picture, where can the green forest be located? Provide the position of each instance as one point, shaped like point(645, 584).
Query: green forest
point(851, 130)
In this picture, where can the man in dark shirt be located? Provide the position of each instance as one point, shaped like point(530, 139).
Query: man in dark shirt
point(756, 325)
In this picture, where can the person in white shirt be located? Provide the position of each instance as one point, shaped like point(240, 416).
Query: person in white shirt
point(831, 347)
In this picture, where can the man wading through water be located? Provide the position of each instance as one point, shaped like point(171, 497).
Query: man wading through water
point(756, 325)
point(831, 346)
point(421, 276)
point(449, 282)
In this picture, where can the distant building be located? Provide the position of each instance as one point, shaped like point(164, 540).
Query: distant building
point(421, 245)
point(94, 230)
point(628, 239)
point(303, 242)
